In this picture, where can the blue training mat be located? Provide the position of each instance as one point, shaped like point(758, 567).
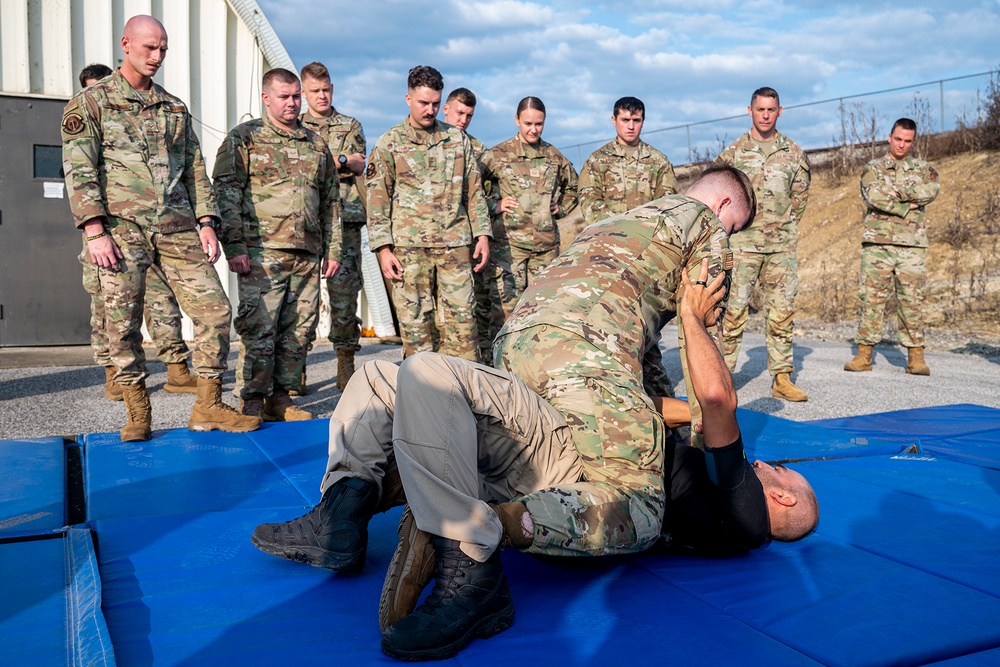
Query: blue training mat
point(902, 569)
point(33, 488)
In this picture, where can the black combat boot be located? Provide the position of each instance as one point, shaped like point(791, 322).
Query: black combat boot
point(333, 535)
point(470, 599)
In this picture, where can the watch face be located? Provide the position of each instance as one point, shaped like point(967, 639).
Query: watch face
point(342, 159)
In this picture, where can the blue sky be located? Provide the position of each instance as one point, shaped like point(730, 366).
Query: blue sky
point(688, 64)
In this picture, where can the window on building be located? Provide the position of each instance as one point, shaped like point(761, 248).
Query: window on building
point(48, 162)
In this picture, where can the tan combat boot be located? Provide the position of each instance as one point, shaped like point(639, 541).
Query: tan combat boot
point(278, 407)
point(783, 387)
point(915, 364)
point(180, 380)
point(862, 361)
point(410, 569)
point(302, 383)
point(112, 389)
point(140, 413)
point(210, 413)
point(345, 366)
point(253, 406)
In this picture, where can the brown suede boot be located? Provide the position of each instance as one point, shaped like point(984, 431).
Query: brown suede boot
point(512, 519)
point(783, 387)
point(410, 570)
point(253, 406)
point(180, 380)
point(112, 389)
point(915, 364)
point(210, 413)
point(345, 366)
point(140, 413)
point(862, 361)
point(278, 407)
point(302, 383)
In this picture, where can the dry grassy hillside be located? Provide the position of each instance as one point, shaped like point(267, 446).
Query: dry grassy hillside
point(963, 265)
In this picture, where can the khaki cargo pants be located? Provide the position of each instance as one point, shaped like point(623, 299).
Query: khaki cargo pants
point(462, 435)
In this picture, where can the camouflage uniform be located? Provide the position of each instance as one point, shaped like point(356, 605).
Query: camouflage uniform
point(344, 136)
point(615, 179)
point(496, 292)
point(537, 178)
point(765, 251)
point(280, 201)
point(426, 202)
point(894, 245)
point(577, 337)
point(133, 159)
point(160, 311)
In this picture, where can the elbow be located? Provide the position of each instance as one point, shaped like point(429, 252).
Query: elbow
point(719, 397)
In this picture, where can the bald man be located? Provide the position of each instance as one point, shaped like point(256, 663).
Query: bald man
point(141, 196)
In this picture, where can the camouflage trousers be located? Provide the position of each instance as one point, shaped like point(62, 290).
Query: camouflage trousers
point(778, 275)
point(526, 264)
point(461, 434)
point(436, 281)
point(496, 295)
point(276, 319)
point(160, 311)
point(344, 287)
point(886, 269)
point(191, 278)
point(618, 505)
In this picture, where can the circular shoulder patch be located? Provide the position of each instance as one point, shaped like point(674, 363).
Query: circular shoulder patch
point(370, 171)
point(73, 124)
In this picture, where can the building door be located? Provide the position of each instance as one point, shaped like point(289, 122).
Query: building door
point(42, 301)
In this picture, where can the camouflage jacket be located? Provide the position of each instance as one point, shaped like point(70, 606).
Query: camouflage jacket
point(277, 190)
point(424, 189)
point(888, 187)
point(617, 178)
point(615, 282)
point(537, 178)
point(344, 136)
point(781, 183)
point(134, 156)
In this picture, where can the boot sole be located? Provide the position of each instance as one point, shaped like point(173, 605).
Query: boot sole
point(778, 394)
point(179, 389)
point(410, 570)
point(213, 426)
point(315, 556)
point(491, 625)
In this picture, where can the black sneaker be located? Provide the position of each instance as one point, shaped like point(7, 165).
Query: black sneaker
point(334, 535)
point(470, 599)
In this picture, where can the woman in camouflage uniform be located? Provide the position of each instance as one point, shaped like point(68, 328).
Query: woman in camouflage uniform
point(533, 186)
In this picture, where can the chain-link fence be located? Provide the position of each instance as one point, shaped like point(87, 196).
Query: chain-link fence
point(936, 106)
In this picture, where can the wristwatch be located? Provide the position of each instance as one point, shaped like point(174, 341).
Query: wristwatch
point(210, 223)
point(342, 159)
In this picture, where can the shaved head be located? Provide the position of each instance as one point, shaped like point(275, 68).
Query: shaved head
point(144, 43)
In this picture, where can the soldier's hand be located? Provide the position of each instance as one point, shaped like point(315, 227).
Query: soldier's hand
point(329, 268)
point(700, 299)
point(508, 204)
point(104, 252)
point(391, 268)
point(482, 252)
point(356, 163)
point(209, 243)
point(240, 264)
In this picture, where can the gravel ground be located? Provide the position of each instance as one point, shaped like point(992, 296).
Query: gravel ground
point(66, 400)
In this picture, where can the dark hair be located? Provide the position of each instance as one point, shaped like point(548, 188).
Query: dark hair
point(93, 71)
point(530, 103)
point(462, 95)
point(281, 75)
point(726, 175)
point(630, 104)
point(766, 91)
point(424, 76)
point(316, 70)
point(905, 123)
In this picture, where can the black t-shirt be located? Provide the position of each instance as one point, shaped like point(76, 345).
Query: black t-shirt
point(714, 519)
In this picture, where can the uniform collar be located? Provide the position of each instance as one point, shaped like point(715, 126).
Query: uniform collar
point(436, 135)
point(153, 96)
point(299, 133)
